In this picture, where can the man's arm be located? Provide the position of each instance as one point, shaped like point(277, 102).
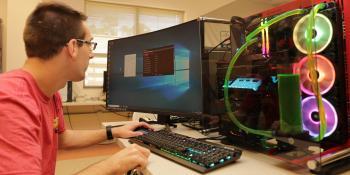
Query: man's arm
point(129, 158)
point(82, 138)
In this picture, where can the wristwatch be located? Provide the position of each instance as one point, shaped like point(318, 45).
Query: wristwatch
point(109, 132)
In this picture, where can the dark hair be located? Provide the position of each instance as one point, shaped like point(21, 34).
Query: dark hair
point(49, 27)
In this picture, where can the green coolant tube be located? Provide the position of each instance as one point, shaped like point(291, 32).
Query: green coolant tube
point(289, 103)
point(274, 20)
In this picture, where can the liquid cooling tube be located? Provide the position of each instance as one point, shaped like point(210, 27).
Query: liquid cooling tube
point(226, 97)
point(312, 68)
point(274, 20)
point(250, 41)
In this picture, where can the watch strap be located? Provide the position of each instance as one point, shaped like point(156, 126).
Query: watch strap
point(109, 132)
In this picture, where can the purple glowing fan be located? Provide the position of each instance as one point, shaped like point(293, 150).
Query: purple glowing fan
point(311, 121)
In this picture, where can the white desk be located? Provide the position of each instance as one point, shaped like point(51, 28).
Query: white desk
point(250, 163)
point(84, 103)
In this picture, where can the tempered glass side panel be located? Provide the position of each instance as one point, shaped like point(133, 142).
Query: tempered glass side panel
point(216, 49)
point(270, 92)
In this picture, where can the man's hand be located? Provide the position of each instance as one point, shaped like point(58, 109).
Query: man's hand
point(121, 162)
point(129, 158)
point(127, 131)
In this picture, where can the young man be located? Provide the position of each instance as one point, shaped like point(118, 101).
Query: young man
point(59, 45)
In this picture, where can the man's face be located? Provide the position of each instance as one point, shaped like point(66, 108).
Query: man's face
point(84, 54)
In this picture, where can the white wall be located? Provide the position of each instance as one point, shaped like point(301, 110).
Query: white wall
point(14, 14)
point(2, 36)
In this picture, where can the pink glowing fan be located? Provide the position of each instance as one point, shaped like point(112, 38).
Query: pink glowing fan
point(325, 72)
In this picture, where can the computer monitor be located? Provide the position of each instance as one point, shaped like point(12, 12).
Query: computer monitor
point(158, 72)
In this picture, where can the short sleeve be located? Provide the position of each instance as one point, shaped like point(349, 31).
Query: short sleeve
point(20, 147)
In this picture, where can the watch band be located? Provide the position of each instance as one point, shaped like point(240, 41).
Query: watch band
point(109, 132)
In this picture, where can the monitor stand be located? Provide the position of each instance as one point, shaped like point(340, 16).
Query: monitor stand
point(160, 119)
point(165, 120)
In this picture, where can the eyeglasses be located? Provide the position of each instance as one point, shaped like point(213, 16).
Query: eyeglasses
point(90, 43)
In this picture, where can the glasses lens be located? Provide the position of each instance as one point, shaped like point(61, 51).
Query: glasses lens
point(93, 45)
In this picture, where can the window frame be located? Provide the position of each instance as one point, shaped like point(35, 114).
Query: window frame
point(137, 30)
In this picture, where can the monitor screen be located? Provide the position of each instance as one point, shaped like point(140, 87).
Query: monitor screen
point(158, 72)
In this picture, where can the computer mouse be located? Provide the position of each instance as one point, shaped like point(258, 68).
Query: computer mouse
point(134, 172)
point(142, 129)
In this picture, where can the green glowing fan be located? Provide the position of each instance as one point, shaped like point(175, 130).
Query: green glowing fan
point(322, 33)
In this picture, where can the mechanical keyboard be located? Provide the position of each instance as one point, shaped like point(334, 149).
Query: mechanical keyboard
point(195, 154)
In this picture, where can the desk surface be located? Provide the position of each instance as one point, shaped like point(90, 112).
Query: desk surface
point(250, 162)
point(84, 103)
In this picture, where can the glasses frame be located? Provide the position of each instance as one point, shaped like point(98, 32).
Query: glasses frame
point(90, 43)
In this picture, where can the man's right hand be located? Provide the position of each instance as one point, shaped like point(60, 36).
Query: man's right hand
point(129, 158)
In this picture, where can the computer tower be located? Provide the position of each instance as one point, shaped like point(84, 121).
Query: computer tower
point(67, 92)
point(269, 91)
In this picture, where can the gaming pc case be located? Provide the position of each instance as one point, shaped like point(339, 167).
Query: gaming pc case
point(284, 58)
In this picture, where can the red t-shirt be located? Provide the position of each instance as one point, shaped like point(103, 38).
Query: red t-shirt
point(28, 125)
